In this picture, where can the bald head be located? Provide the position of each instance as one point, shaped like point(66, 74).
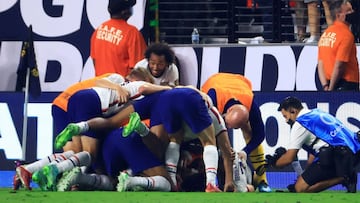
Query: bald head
point(236, 116)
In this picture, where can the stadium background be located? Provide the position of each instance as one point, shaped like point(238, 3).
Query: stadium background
point(61, 32)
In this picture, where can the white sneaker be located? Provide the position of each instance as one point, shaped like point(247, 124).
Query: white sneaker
point(68, 179)
point(124, 180)
point(312, 39)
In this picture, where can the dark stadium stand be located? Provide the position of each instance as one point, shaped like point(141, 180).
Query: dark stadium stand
point(226, 21)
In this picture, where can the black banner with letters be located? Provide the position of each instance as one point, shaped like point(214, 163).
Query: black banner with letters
point(40, 136)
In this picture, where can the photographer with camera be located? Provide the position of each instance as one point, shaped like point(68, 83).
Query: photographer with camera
point(334, 148)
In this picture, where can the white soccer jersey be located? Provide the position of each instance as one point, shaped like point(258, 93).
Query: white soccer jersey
point(109, 98)
point(170, 75)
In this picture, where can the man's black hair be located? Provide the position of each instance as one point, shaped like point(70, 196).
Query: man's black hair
point(161, 49)
point(290, 102)
point(116, 6)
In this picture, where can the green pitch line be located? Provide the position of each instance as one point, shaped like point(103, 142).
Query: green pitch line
point(6, 195)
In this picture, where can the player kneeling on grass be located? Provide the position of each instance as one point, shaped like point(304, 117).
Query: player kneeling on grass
point(335, 147)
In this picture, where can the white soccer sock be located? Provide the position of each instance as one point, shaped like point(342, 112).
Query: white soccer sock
point(142, 130)
point(84, 126)
point(58, 157)
point(79, 159)
point(154, 183)
point(211, 158)
point(95, 182)
point(172, 156)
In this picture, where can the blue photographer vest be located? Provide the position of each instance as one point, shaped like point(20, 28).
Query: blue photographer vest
point(329, 129)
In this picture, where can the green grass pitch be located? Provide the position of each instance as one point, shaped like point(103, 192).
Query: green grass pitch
point(21, 196)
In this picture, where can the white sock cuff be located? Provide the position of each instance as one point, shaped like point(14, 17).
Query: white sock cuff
point(172, 154)
point(211, 149)
point(84, 158)
point(68, 153)
point(173, 145)
point(161, 184)
point(84, 126)
point(211, 158)
point(143, 130)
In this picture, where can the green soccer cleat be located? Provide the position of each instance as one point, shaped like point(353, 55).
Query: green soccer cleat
point(51, 172)
point(66, 135)
point(123, 182)
point(68, 179)
point(133, 124)
point(39, 178)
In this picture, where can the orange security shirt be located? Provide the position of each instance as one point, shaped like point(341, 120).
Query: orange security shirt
point(63, 98)
point(116, 47)
point(337, 44)
point(230, 86)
